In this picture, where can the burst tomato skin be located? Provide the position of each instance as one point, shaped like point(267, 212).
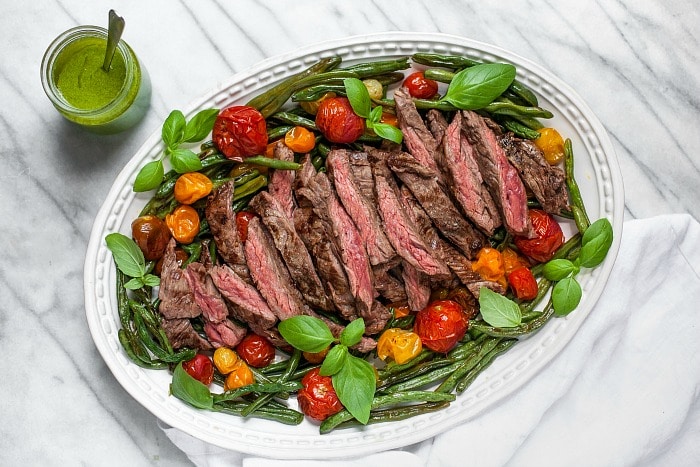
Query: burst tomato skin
point(523, 283)
point(256, 351)
point(419, 86)
point(239, 132)
point(338, 122)
point(547, 239)
point(441, 325)
point(317, 399)
point(200, 368)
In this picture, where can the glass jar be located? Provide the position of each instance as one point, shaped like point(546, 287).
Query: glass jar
point(100, 101)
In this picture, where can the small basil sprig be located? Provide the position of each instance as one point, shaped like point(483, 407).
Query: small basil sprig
point(477, 86)
point(595, 243)
point(176, 131)
point(353, 377)
point(362, 105)
point(130, 261)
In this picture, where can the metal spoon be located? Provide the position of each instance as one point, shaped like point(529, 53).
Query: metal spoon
point(114, 34)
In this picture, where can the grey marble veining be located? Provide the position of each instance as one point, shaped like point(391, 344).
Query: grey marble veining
point(635, 63)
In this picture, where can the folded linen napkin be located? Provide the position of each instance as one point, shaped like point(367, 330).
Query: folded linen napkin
point(624, 391)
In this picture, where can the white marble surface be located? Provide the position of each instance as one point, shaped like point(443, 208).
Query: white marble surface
point(635, 63)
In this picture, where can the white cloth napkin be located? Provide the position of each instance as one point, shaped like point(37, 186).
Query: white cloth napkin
point(624, 391)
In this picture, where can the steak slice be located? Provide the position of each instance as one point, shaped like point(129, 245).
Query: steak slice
point(206, 295)
point(417, 287)
point(270, 275)
point(176, 297)
point(222, 222)
point(362, 173)
point(416, 136)
point(292, 248)
point(423, 183)
point(361, 209)
point(402, 233)
point(547, 182)
point(500, 176)
point(389, 286)
point(248, 305)
point(282, 181)
point(462, 174)
point(180, 333)
point(225, 333)
point(437, 124)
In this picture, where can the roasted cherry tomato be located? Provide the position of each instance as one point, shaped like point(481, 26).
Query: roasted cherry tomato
point(401, 310)
point(441, 325)
point(225, 360)
point(547, 239)
point(338, 122)
point(523, 283)
point(240, 375)
point(551, 144)
point(239, 132)
point(398, 344)
point(316, 357)
point(257, 351)
point(300, 140)
point(200, 368)
point(242, 220)
point(191, 187)
point(389, 119)
point(512, 260)
point(489, 265)
point(151, 234)
point(183, 223)
point(317, 399)
point(419, 86)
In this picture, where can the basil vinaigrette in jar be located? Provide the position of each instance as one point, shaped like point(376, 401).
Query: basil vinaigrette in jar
point(83, 92)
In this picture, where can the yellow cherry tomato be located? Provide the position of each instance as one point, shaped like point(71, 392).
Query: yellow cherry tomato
point(225, 360)
point(300, 140)
point(192, 186)
point(312, 106)
point(374, 88)
point(489, 265)
point(183, 223)
point(551, 144)
point(240, 375)
point(398, 344)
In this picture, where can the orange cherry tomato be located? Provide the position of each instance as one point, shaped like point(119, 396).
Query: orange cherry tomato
point(318, 399)
point(256, 351)
point(191, 187)
point(401, 310)
point(200, 368)
point(183, 223)
point(240, 375)
point(489, 265)
point(512, 260)
point(419, 86)
point(300, 140)
point(398, 344)
point(316, 357)
point(240, 131)
point(547, 239)
point(523, 283)
point(389, 119)
point(151, 234)
point(338, 122)
point(441, 325)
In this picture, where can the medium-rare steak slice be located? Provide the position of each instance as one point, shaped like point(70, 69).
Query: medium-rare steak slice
point(282, 181)
point(547, 182)
point(388, 286)
point(417, 287)
point(416, 136)
point(225, 333)
point(501, 177)
point(176, 297)
point(180, 333)
point(270, 275)
point(402, 233)
point(362, 173)
point(437, 123)
point(206, 295)
point(292, 248)
point(362, 210)
point(462, 174)
point(423, 183)
point(222, 222)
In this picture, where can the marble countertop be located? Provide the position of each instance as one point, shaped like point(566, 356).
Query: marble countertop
point(636, 65)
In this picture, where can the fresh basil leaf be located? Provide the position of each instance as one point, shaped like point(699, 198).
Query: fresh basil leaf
point(596, 243)
point(334, 361)
point(477, 86)
point(375, 115)
point(134, 284)
point(127, 254)
point(355, 385)
point(566, 295)
point(386, 131)
point(352, 334)
point(149, 177)
point(173, 129)
point(151, 280)
point(189, 390)
point(200, 125)
point(185, 160)
point(358, 95)
point(558, 269)
point(306, 333)
point(498, 310)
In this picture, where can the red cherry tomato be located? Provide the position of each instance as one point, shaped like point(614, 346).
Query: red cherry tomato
point(441, 325)
point(338, 122)
point(547, 239)
point(200, 368)
point(240, 131)
point(523, 283)
point(317, 399)
point(256, 351)
point(242, 220)
point(419, 86)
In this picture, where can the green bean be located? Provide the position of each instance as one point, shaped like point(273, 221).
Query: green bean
point(122, 300)
point(467, 379)
point(194, 250)
point(273, 163)
point(250, 187)
point(389, 78)
point(397, 413)
point(578, 208)
point(245, 177)
point(279, 414)
point(141, 360)
point(313, 93)
point(394, 368)
point(513, 110)
point(425, 378)
point(278, 132)
point(387, 383)
point(520, 129)
point(543, 286)
point(271, 387)
point(449, 383)
point(238, 206)
point(569, 250)
point(292, 364)
point(464, 350)
point(167, 185)
point(439, 74)
point(384, 400)
point(370, 69)
point(294, 119)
